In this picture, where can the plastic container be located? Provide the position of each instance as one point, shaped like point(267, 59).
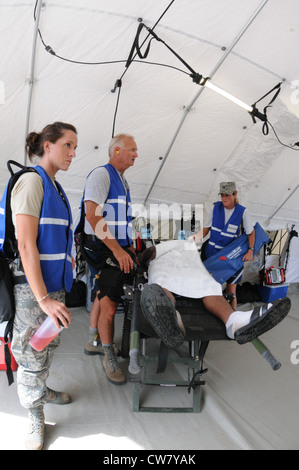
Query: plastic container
point(44, 335)
point(273, 292)
point(181, 235)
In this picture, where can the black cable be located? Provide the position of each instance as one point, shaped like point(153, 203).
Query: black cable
point(52, 52)
point(132, 59)
point(118, 83)
point(285, 145)
point(157, 22)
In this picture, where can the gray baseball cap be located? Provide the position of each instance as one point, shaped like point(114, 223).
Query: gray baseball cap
point(228, 188)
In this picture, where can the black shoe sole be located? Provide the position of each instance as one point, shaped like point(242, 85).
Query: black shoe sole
point(90, 353)
point(161, 314)
point(269, 320)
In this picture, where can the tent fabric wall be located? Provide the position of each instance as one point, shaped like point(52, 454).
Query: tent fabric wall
point(189, 138)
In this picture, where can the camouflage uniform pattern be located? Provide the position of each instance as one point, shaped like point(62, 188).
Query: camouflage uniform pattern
point(33, 366)
point(228, 187)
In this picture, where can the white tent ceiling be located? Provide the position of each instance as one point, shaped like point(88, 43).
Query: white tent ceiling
point(189, 137)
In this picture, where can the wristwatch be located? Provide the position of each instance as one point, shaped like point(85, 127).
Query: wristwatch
point(251, 248)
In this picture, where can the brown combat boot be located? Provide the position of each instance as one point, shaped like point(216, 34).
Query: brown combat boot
point(113, 372)
point(35, 439)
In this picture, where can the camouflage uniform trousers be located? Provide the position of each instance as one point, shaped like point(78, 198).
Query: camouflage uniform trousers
point(33, 366)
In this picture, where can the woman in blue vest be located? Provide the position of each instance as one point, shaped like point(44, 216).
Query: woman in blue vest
point(225, 222)
point(43, 225)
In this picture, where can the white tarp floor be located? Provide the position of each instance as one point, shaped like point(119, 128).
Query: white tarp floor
point(245, 404)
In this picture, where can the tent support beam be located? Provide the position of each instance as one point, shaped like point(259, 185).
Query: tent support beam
point(281, 205)
point(218, 65)
point(31, 78)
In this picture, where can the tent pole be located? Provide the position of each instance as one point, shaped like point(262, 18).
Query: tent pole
point(281, 205)
point(188, 108)
point(166, 155)
point(31, 78)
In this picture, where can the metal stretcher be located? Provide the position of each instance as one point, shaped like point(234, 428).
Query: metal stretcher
point(201, 328)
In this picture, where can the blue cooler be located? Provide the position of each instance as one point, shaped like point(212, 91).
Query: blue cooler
point(273, 292)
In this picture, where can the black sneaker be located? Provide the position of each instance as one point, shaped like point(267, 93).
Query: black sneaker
point(161, 314)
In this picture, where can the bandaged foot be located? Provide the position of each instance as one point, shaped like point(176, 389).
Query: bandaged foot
point(246, 326)
point(240, 319)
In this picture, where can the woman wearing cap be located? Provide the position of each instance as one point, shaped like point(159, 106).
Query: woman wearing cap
point(226, 221)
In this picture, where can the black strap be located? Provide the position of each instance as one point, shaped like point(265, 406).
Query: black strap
point(265, 128)
point(13, 162)
point(201, 353)
point(292, 234)
point(277, 87)
point(192, 383)
point(7, 338)
point(60, 192)
point(19, 280)
point(136, 47)
point(163, 356)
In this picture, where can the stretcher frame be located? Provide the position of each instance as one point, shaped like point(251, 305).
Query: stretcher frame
point(201, 328)
point(194, 364)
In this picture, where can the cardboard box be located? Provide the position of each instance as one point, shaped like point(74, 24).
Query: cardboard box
point(273, 292)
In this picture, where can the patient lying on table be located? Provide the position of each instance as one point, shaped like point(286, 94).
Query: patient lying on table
point(175, 267)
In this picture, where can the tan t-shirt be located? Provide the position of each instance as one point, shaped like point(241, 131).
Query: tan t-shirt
point(27, 196)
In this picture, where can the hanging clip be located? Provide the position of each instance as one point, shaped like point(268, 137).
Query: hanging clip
point(118, 84)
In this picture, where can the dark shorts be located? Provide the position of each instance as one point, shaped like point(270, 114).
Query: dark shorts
point(106, 278)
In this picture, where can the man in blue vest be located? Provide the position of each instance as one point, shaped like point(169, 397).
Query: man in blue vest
point(225, 222)
point(108, 242)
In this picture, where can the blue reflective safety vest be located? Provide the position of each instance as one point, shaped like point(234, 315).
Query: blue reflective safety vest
point(2, 220)
point(117, 209)
point(223, 234)
point(55, 236)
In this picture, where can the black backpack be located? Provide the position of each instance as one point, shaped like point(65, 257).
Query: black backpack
point(8, 252)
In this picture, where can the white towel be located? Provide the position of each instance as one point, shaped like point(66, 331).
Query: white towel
point(178, 268)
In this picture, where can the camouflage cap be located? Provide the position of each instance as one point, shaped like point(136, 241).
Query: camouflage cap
point(228, 188)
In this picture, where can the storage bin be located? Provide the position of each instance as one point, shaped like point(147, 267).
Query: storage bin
point(273, 292)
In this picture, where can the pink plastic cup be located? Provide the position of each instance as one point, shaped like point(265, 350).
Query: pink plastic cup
point(44, 335)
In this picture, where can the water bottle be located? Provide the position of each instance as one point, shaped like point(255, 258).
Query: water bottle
point(182, 235)
point(45, 334)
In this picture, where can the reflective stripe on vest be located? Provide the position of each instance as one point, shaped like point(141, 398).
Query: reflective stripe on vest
point(222, 234)
point(55, 237)
point(117, 208)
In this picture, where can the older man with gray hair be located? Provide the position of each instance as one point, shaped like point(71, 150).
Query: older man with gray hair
point(108, 247)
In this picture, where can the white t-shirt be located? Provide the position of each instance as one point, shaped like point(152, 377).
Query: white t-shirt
point(247, 222)
point(178, 268)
